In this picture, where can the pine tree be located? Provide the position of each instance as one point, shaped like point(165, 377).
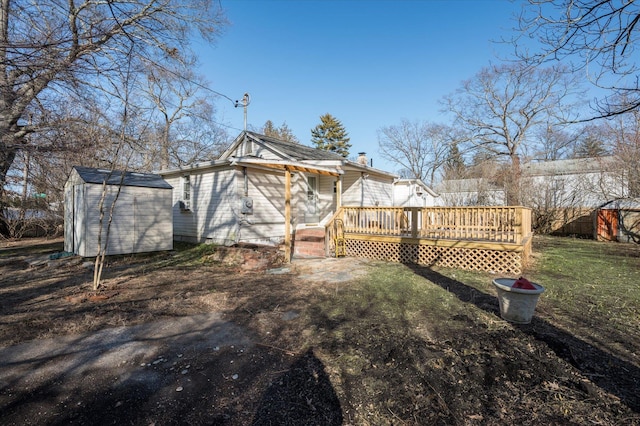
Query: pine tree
point(283, 132)
point(454, 166)
point(331, 135)
point(590, 147)
point(269, 129)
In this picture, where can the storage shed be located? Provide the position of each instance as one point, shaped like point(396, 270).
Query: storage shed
point(619, 220)
point(142, 215)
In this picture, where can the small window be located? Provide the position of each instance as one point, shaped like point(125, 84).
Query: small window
point(186, 192)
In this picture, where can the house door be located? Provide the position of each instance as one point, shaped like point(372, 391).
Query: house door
point(312, 214)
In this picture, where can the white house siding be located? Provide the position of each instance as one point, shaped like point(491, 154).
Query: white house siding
point(213, 212)
point(590, 189)
point(326, 197)
point(352, 194)
point(367, 190)
point(266, 224)
point(298, 199)
point(141, 219)
point(404, 195)
point(264, 153)
point(252, 149)
point(469, 192)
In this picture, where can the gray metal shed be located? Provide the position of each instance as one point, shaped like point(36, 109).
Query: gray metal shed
point(142, 216)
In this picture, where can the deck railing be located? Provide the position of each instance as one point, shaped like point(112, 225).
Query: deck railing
point(496, 239)
point(495, 224)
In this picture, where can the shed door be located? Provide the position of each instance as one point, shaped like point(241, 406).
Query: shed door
point(607, 225)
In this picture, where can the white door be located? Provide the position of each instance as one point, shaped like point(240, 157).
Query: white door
point(312, 215)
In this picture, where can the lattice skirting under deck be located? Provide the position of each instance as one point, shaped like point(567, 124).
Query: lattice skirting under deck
point(475, 259)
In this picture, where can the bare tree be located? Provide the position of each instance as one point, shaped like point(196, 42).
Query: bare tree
point(52, 51)
point(598, 39)
point(555, 143)
point(185, 131)
point(502, 106)
point(625, 130)
point(420, 149)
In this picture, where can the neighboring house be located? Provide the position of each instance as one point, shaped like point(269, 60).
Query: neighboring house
point(242, 196)
point(469, 192)
point(142, 217)
point(413, 193)
point(563, 194)
point(574, 183)
point(584, 183)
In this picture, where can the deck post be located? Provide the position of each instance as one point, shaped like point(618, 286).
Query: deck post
point(414, 222)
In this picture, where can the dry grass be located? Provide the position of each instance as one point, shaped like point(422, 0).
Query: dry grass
point(401, 344)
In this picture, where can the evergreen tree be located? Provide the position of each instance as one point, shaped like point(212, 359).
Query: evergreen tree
point(283, 132)
point(331, 135)
point(590, 147)
point(269, 129)
point(454, 166)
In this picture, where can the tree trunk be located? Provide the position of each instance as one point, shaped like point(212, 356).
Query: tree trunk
point(6, 160)
point(512, 182)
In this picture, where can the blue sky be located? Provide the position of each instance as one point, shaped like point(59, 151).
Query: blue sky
point(369, 63)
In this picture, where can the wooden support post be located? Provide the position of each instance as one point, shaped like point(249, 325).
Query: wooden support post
point(414, 222)
point(338, 192)
point(287, 215)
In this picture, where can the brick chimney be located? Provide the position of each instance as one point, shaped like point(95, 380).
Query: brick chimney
point(362, 158)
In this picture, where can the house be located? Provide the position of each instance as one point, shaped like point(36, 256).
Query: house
point(469, 192)
point(563, 194)
point(413, 193)
point(262, 190)
point(573, 183)
point(142, 216)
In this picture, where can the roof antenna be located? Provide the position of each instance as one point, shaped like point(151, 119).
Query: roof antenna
point(246, 100)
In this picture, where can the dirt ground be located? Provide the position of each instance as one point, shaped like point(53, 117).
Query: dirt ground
point(223, 343)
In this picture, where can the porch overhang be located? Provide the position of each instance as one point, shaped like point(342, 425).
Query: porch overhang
point(287, 165)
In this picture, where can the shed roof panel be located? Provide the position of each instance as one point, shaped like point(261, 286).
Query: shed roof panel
point(98, 176)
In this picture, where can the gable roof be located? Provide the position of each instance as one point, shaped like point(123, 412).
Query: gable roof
point(287, 150)
point(290, 156)
point(568, 166)
point(418, 182)
point(98, 176)
point(466, 185)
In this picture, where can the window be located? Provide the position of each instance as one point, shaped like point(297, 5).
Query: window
point(186, 192)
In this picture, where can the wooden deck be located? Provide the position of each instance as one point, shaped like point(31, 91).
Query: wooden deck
point(496, 239)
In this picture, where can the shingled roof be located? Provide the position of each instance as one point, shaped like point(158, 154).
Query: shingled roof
point(296, 151)
point(98, 176)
